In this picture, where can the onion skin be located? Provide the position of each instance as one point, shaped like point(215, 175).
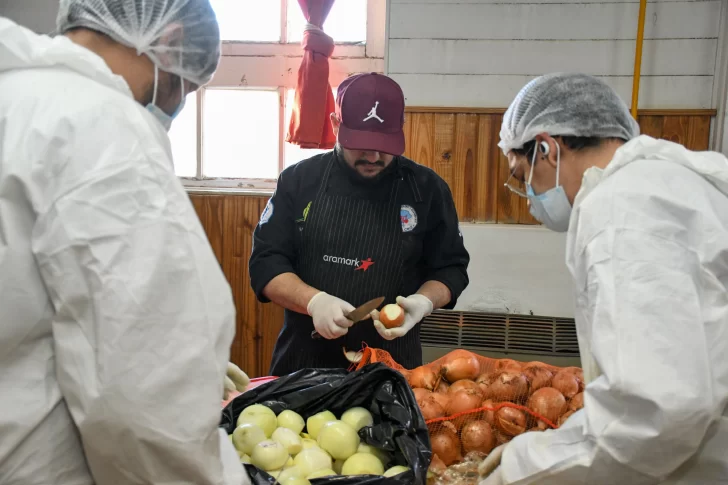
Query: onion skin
point(538, 375)
point(577, 402)
point(450, 426)
point(430, 408)
point(443, 399)
point(509, 386)
point(510, 421)
point(484, 381)
point(437, 466)
point(423, 377)
point(465, 384)
point(566, 382)
point(460, 364)
point(477, 436)
point(547, 402)
point(446, 445)
point(501, 438)
point(463, 401)
point(443, 386)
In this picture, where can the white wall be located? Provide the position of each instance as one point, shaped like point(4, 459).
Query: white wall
point(38, 15)
point(479, 53)
point(517, 269)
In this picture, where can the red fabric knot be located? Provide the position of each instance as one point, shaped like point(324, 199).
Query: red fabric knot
point(318, 42)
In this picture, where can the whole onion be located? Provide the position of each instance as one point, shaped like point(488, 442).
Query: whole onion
point(578, 372)
point(566, 382)
point(465, 384)
point(443, 399)
point(510, 421)
point(436, 465)
point(501, 438)
point(538, 375)
point(577, 402)
point(508, 364)
point(489, 414)
point(509, 386)
point(547, 402)
point(564, 417)
point(442, 386)
point(423, 377)
point(463, 401)
point(477, 436)
point(448, 425)
point(460, 364)
point(430, 408)
point(446, 445)
point(484, 381)
point(420, 393)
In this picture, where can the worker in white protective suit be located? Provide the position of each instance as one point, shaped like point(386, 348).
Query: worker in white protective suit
point(647, 246)
point(115, 319)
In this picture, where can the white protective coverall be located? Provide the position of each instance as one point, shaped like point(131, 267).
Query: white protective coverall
point(115, 319)
point(648, 250)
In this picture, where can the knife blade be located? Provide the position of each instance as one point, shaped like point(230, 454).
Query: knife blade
point(359, 313)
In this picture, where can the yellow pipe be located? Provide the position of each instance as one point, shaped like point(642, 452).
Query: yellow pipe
point(638, 57)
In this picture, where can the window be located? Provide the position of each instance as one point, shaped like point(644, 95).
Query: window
point(231, 133)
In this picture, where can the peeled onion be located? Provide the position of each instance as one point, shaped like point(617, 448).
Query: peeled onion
point(430, 408)
point(477, 436)
point(269, 455)
point(510, 421)
point(436, 465)
point(509, 386)
point(317, 421)
point(547, 402)
point(577, 402)
point(460, 364)
point(289, 439)
point(564, 417)
point(566, 382)
point(293, 421)
point(362, 464)
point(261, 416)
point(357, 418)
point(246, 436)
point(538, 375)
point(424, 377)
point(312, 460)
point(463, 401)
point(396, 470)
point(446, 445)
point(338, 439)
point(465, 384)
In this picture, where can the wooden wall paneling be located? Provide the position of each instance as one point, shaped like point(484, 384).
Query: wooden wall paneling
point(485, 199)
point(464, 162)
point(420, 146)
point(651, 125)
point(698, 133)
point(444, 141)
point(209, 210)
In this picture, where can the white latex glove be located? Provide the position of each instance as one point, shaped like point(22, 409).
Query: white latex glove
point(235, 380)
point(328, 315)
point(416, 307)
point(490, 467)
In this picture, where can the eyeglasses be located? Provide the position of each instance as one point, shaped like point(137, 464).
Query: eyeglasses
point(513, 189)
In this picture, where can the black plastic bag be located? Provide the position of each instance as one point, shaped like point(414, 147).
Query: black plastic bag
point(399, 427)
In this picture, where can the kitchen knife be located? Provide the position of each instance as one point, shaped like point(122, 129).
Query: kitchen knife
point(359, 313)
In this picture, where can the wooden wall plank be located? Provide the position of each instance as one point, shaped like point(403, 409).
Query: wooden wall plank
point(461, 146)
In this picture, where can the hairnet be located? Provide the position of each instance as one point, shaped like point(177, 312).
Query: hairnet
point(180, 36)
point(564, 104)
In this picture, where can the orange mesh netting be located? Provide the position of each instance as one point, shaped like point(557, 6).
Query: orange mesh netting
point(473, 403)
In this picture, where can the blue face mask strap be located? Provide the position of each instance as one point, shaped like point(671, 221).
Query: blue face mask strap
point(558, 164)
point(156, 84)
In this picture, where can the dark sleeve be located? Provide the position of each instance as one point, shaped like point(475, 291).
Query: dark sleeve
point(273, 239)
point(444, 251)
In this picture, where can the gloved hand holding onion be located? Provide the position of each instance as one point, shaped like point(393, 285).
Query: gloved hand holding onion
point(295, 451)
point(235, 380)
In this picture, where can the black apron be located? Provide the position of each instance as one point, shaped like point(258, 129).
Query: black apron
point(351, 248)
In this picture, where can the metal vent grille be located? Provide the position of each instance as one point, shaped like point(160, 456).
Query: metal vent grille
point(500, 332)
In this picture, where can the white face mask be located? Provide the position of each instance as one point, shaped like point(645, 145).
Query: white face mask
point(162, 117)
point(552, 208)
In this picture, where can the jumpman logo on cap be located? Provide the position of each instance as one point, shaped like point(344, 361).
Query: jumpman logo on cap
point(373, 113)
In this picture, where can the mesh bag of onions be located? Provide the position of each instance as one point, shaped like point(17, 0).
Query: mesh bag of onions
point(472, 403)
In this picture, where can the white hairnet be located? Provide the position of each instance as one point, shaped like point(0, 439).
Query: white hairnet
point(564, 104)
point(180, 36)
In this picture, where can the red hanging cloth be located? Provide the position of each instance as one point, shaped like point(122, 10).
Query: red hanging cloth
point(310, 126)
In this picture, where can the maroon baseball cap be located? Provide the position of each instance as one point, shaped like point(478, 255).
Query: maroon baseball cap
point(371, 109)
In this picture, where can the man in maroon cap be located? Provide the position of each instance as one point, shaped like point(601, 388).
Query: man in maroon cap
point(354, 224)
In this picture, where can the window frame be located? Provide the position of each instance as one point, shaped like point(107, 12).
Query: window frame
point(274, 65)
